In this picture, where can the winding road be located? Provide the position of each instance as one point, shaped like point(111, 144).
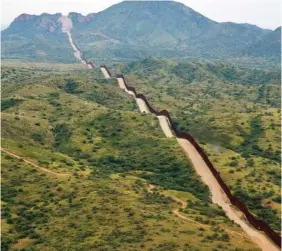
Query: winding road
point(183, 203)
point(217, 194)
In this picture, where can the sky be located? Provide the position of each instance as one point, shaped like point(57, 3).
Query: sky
point(263, 13)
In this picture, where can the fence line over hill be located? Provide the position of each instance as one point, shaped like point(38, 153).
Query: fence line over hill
point(255, 222)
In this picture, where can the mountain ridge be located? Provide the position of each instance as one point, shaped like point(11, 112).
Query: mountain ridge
point(132, 30)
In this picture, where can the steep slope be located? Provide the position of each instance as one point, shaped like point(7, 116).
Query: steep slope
point(36, 38)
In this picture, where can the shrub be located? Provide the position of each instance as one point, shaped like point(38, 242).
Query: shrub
point(5, 104)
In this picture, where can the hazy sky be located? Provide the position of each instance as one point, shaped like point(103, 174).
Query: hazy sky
point(264, 13)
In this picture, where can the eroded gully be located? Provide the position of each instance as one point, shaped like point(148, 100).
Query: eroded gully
point(217, 194)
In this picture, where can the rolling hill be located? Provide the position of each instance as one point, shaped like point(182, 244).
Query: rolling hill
point(102, 155)
point(83, 169)
point(234, 113)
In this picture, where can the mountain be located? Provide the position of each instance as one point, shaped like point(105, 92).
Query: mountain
point(268, 46)
point(36, 38)
point(132, 30)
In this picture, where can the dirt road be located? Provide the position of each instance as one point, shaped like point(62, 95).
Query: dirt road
point(123, 87)
point(183, 203)
point(165, 125)
point(219, 197)
point(105, 73)
point(35, 165)
point(142, 106)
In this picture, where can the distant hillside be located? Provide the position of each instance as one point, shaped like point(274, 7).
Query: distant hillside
point(268, 46)
point(132, 30)
point(36, 38)
point(201, 72)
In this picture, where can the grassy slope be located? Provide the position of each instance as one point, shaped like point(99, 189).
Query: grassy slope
point(49, 213)
point(234, 114)
point(76, 122)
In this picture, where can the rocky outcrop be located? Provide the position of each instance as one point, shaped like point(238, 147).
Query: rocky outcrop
point(24, 17)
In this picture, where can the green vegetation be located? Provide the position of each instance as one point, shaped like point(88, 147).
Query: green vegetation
point(269, 45)
point(233, 113)
point(86, 126)
point(114, 213)
point(36, 38)
point(5, 104)
point(132, 30)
